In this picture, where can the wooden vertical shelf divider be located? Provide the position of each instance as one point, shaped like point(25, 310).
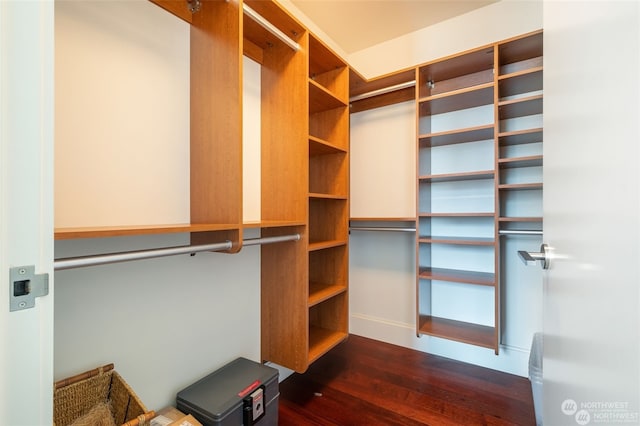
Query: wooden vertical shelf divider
point(216, 127)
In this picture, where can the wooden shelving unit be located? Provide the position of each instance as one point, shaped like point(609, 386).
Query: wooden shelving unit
point(505, 80)
point(284, 171)
point(328, 197)
point(519, 101)
point(456, 83)
point(305, 189)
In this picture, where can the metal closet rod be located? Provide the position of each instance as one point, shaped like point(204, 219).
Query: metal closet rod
point(519, 232)
point(383, 91)
point(103, 259)
point(270, 27)
point(381, 228)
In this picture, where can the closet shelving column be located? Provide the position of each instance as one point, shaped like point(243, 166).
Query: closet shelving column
point(328, 198)
point(456, 245)
point(284, 171)
point(520, 134)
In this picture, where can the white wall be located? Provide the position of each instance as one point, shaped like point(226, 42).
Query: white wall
point(382, 264)
point(122, 114)
point(383, 175)
point(497, 21)
point(122, 156)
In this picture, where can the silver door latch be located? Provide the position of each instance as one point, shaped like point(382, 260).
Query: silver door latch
point(530, 258)
point(26, 285)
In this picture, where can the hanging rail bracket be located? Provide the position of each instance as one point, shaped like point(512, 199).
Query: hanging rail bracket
point(194, 5)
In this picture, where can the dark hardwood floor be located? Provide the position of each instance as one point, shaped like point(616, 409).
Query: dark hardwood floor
point(367, 382)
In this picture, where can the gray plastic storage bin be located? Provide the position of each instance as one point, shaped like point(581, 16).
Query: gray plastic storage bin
point(242, 392)
point(535, 375)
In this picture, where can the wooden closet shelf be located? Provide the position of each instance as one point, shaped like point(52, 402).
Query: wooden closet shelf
point(321, 99)
point(520, 107)
point(323, 196)
point(450, 137)
point(452, 177)
point(516, 162)
point(321, 58)
point(319, 292)
point(383, 219)
point(318, 146)
point(321, 340)
point(464, 332)
point(520, 219)
point(524, 82)
point(458, 214)
point(520, 186)
point(458, 276)
point(325, 244)
point(519, 49)
point(520, 137)
point(272, 224)
point(478, 61)
point(468, 97)
point(123, 231)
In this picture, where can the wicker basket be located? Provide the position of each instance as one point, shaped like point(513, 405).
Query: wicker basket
point(76, 396)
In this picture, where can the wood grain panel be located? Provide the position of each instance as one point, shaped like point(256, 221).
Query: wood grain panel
point(328, 268)
point(216, 127)
point(358, 85)
point(464, 332)
point(331, 126)
point(279, 17)
point(284, 296)
point(521, 48)
point(328, 174)
point(391, 98)
point(284, 134)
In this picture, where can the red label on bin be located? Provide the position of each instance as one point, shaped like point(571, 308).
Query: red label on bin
point(244, 392)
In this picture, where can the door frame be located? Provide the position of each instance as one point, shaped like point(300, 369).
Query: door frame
point(26, 206)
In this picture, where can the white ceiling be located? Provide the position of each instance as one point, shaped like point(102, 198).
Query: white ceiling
point(357, 24)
